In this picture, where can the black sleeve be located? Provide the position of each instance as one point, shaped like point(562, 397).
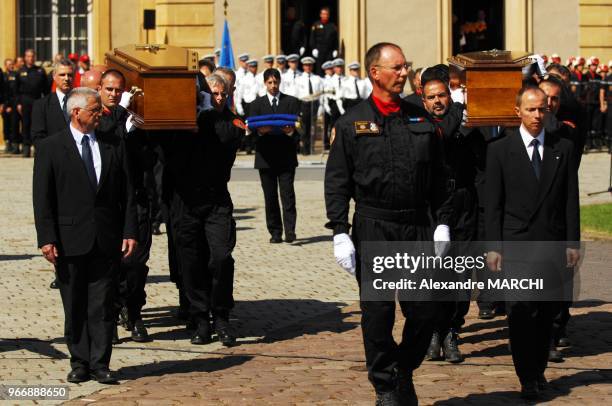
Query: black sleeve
point(130, 222)
point(339, 186)
point(46, 82)
point(44, 198)
point(494, 192)
point(39, 124)
point(441, 196)
point(572, 208)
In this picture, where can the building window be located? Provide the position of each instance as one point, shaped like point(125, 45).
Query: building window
point(54, 26)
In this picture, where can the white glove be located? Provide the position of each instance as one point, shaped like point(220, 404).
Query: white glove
point(320, 110)
point(541, 64)
point(315, 53)
point(302, 49)
point(441, 239)
point(344, 251)
point(126, 99)
point(458, 96)
point(129, 125)
point(335, 54)
point(464, 117)
point(239, 109)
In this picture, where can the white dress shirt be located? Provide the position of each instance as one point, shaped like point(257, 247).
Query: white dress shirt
point(527, 138)
point(301, 85)
point(60, 97)
point(270, 98)
point(95, 149)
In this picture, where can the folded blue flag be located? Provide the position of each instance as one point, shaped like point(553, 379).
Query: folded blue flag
point(271, 123)
point(272, 117)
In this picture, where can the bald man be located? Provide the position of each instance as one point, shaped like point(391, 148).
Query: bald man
point(91, 79)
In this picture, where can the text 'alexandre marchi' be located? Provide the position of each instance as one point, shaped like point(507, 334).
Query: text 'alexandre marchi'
point(430, 284)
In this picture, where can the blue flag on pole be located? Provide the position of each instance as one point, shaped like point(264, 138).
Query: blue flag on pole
point(227, 54)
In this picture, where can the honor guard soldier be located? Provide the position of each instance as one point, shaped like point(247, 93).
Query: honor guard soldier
point(593, 84)
point(268, 63)
point(281, 63)
point(308, 87)
point(323, 39)
point(386, 155)
point(352, 88)
point(32, 85)
point(336, 107)
point(8, 107)
point(242, 69)
point(326, 99)
point(246, 94)
point(290, 76)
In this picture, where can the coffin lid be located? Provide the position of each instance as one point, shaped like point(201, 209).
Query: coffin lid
point(153, 57)
point(494, 58)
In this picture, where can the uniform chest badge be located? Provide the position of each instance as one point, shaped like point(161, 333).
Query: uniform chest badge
point(366, 128)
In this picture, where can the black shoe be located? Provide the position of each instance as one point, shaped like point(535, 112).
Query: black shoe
point(486, 314)
point(290, 237)
point(530, 391)
point(202, 334)
point(225, 335)
point(155, 229)
point(450, 348)
point(433, 352)
point(387, 399)
point(8, 148)
point(16, 150)
point(104, 376)
point(554, 355)
point(115, 336)
point(53, 285)
point(124, 319)
point(405, 389)
point(139, 332)
point(27, 151)
point(78, 375)
point(542, 382)
point(275, 240)
point(562, 339)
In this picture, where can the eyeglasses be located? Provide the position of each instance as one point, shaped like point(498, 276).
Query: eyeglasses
point(99, 110)
point(222, 94)
point(398, 68)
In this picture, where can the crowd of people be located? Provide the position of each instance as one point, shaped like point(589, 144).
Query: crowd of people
point(102, 187)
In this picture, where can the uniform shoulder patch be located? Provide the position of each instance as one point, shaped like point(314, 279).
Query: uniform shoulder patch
point(366, 127)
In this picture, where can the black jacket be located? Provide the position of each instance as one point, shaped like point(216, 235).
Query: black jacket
point(393, 162)
point(274, 150)
point(518, 207)
point(32, 83)
point(47, 117)
point(68, 212)
point(324, 38)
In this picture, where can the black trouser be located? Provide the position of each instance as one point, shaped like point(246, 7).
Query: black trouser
point(206, 236)
point(87, 284)
point(450, 315)
point(7, 130)
point(383, 354)
point(153, 181)
point(327, 126)
point(530, 329)
point(309, 110)
point(273, 180)
point(562, 318)
point(134, 269)
point(249, 140)
point(26, 116)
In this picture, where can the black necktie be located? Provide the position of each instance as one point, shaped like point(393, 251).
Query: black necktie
point(356, 89)
point(536, 160)
point(309, 85)
point(88, 161)
point(274, 104)
point(339, 81)
point(294, 74)
point(64, 109)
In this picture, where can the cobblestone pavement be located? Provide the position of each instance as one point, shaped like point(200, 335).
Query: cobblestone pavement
point(296, 313)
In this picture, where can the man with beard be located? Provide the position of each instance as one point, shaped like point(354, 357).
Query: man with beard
point(396, 191)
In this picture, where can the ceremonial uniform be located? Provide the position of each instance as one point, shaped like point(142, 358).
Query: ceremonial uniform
point(323, 38)
point(352, 92)
point(12, 118)
point(32, 85)
point(392, 167)
point(307, 86)
point(288, 80)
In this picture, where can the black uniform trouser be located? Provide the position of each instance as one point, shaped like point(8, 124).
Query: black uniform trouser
point(15, 120)
point(7, 130)
point(309, 110)
point(26, 116)
point(206, 237)
point(530, 329)
point(249, 140)
point(327, 126)
point(450, 315)
point(153, 180)
point(87, 284)
point(134, 269)
point(383, 355)
point(273, 180)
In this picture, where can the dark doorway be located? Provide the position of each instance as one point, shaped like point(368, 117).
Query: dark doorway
point(478, 25)
point(296, 21)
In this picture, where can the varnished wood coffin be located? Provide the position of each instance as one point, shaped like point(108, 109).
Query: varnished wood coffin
point(492, 80)
point(165, 77)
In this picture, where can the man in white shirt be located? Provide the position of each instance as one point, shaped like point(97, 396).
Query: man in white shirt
point(326, 99)
point(268, 62)
point(352, 89)
point(289, 77)
point(308, 88)
point(242, 69)
point(281, 63)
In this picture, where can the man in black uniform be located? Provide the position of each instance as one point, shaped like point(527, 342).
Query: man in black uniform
point(32, 85)
point(386, 156)
point(464, 150)
point(323, 39)
point(200, 166)
point(276, 159)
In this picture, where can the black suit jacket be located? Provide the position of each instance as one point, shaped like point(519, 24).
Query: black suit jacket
point(68, 211)
point(518, 207)
point(274, 150)
point(47, 117)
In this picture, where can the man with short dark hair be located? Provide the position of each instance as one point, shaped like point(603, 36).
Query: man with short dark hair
point(396, 191)
point(531, 196)
point(276, 159)
point(323, 39)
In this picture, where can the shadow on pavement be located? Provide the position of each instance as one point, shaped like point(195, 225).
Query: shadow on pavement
point(23, 257)
point(33, 345)
point(312, 240)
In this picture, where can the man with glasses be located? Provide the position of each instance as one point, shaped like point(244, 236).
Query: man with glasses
point(85, 222)
point(200, 168)
point(385, 154)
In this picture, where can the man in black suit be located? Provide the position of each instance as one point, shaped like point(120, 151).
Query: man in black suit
point(276, 159)
point(49, 114)
point(85, 221)
point(532, 196)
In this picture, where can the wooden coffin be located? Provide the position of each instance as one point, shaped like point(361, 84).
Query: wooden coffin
point(492, 80)
point(163, 78)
